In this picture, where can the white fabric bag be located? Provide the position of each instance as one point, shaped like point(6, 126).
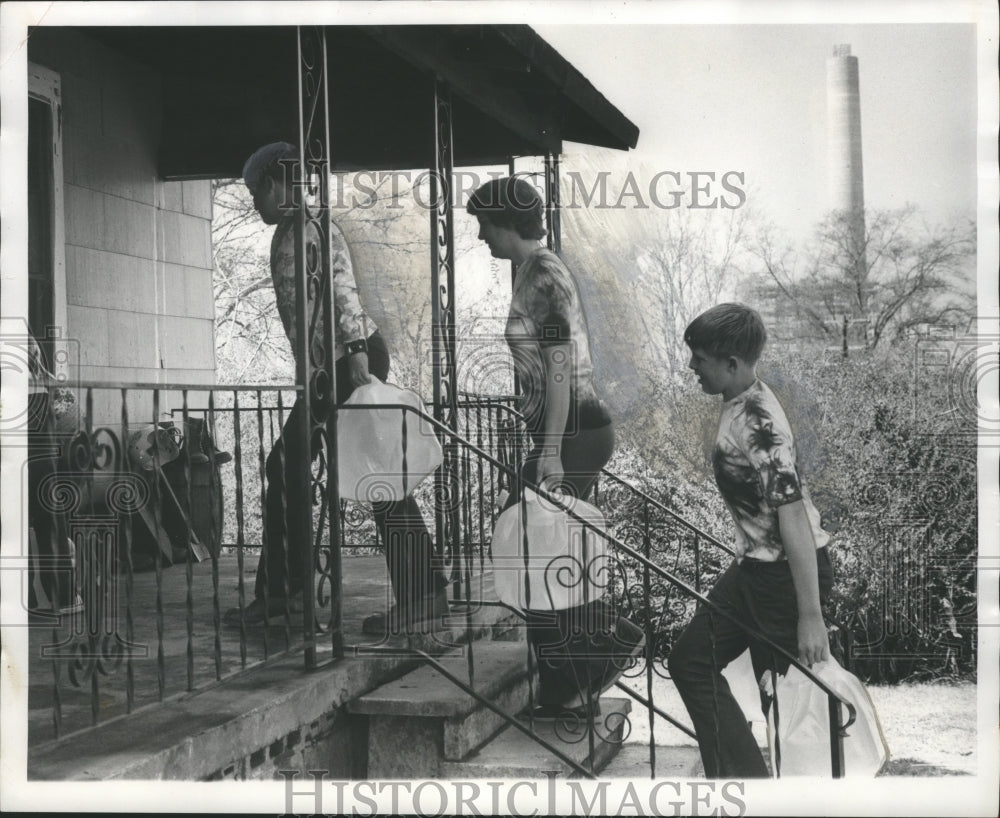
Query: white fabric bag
point(567, 562)
point(743, 685)
point(370, 445)
point(804, 724)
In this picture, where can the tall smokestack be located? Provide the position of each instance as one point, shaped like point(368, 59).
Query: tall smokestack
point(843, 106)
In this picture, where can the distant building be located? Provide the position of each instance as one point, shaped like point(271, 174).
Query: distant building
point(843, 128)
point(829, 316)
point(799, 325)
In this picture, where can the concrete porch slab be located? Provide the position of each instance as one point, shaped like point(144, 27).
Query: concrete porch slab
point(219, 729)
point(175, 620)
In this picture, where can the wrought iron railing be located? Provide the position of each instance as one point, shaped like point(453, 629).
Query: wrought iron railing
point(142, 493)
point(638, 599)
point(487, 422)
point(167, 532)
point(110, 490)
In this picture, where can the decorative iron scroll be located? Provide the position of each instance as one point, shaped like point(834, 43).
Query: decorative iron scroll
point(90, 494)
point(315, 360)
point(447, 488)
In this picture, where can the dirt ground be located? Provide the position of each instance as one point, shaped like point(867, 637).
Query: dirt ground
point(931, 724)
point(930, 727)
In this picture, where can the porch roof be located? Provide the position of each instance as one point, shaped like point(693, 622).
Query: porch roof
point(226, 90)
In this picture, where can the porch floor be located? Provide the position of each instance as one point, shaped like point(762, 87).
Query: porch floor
point(185, 668)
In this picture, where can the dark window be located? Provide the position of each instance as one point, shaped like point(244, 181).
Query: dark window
point(41, 264)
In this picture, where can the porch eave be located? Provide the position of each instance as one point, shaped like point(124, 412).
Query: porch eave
point(236, 89)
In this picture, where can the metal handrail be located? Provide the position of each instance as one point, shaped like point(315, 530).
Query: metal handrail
point(91, 458)
point(836, 735)
point(499, 402)
point(152, 386)
point(837, 729)
point(666, 510)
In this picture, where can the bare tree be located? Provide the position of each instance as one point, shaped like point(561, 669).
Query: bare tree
point(772, 275)
point(386, 235)
point(904, 274)
point(687, 262)
point(248, 332)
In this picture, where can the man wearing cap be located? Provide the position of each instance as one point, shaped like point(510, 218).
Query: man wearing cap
point(270, 175)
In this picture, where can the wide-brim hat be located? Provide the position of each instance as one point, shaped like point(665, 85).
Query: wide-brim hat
point(263, 158)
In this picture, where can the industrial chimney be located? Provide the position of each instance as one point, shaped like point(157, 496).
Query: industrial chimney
point(846, 178)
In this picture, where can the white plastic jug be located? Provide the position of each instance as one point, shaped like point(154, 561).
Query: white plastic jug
point(370, 445)
point(567, 561)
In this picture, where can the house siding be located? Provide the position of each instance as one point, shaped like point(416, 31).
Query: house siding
point(138, 249)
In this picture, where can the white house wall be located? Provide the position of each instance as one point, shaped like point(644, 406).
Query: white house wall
point(138, 249)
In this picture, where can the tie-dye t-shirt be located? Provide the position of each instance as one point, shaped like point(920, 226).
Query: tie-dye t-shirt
point(546, 310)
point(755, 469)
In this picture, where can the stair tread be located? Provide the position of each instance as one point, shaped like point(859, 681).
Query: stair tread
point(425, 692)
point(674, 761)
point(514, 754)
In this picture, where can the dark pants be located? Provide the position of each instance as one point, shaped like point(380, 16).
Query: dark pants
point(577, 648)
point(52, 564)
point(408, 547)
point(762, 596)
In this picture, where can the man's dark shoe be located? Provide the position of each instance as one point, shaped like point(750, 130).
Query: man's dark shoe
point(582, 712)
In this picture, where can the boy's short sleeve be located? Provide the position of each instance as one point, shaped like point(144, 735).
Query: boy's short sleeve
point(757, 472)
point(779, 477)
point(769, 447)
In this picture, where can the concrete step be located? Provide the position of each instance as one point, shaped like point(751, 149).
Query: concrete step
point(512, 754)
point(435, 720)
point(632, 761)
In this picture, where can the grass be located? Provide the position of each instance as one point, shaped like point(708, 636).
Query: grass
point(930, 727)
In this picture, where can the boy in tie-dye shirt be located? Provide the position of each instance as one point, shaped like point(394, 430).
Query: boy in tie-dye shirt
point(781, 576)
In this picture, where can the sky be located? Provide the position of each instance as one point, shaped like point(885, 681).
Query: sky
point(734, 85)
point(752, 98)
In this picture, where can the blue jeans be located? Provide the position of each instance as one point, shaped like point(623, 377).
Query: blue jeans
point(762, 596)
